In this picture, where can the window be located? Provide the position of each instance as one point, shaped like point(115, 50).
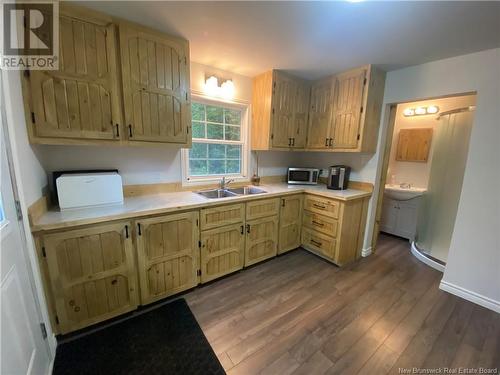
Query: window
point(219, 141)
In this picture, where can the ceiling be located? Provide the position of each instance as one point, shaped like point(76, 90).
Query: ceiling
point(313, 39)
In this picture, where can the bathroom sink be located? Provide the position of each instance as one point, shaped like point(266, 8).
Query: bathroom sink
point(403, 192)
point(216, 193)
point(247, 190)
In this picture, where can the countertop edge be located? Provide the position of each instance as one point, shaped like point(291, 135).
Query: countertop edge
point(38, 228)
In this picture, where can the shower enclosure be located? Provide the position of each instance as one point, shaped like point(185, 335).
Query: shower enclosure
point(440, 204)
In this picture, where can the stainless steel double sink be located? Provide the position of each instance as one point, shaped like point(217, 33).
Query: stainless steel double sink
point(230, 192)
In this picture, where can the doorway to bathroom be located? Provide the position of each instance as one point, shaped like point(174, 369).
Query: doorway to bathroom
point(422, 173)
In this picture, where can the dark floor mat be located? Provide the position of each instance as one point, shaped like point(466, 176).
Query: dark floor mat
point(166, 340)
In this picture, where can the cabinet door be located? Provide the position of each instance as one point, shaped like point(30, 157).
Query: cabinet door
point(222, 215)
point(320, 115)
point(92, 274)
point(261, 240)
point(81, 99)
point(283, 97)
point(406, 223)
point(222, 251)
point(300, 117)
point(168, 255)
point(155, 77)
point(389, 216)
point(290, 223)
point(347, 107)
point(262, 208)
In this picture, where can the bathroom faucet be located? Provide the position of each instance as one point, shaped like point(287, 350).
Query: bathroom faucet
point(223, 182)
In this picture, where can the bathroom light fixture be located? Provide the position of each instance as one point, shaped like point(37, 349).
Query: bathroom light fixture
point(225, 90)
point(420, 111)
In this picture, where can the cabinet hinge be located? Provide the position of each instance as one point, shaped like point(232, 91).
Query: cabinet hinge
point(187, 96)
point(44, 330)
point(199, 243)
point(185, 60)
point(272, 111)
point(361, 110)
point(44, 254)
point(33, 117)
point(197, 223)
point(27, 73)
point(19, 212)
point(57, 319)
point(359, 136)
point(272, 136)
point(24, 22)
point(198, 272)
point(274, 84)
point(364, 82)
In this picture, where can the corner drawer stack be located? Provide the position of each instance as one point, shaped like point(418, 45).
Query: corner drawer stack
point(320, 222)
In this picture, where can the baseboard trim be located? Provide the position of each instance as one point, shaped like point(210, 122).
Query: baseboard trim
point(421, 257)
point(366, 252)
point(470, 296)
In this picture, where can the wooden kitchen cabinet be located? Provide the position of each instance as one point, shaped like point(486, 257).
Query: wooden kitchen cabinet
point(280, 105)
point(92, 274)
point(168, 255)
point(261, 239)
point(214, 217)
point(345, 111)
point(290, 223)
point(222, 251)
point(155, 75)
point(81, 101)
point(334, 229)
point(262, 208)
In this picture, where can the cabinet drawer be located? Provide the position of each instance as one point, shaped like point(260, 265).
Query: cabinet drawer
point(320, 223)
point(318, 242)
point(262, 208)
point(222, 215)
point(322, 206)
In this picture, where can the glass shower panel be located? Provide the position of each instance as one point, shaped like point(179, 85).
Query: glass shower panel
point(440, 203)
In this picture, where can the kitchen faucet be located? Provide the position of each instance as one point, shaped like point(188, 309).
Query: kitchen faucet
point(223, 182)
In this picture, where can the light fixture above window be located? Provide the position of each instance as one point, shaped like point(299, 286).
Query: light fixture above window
point(225, 90)
point(420, 111)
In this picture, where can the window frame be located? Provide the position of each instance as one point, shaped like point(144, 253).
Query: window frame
point(243, 176)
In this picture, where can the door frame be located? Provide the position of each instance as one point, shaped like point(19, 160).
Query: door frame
point(29, 252)
point(386, 146)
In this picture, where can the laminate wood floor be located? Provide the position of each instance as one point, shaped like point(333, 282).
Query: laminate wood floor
point(298, 314)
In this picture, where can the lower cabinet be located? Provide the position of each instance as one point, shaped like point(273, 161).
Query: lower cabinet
point(290, 223)
point(222, 251)
point(168, 255)
point(400, 217)
point(92, 274)
point(261, 240)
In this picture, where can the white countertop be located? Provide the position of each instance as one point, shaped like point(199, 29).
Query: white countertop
point(146, 205)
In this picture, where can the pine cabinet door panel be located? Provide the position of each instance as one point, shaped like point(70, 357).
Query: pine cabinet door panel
point(81, 99)
point(222, 251)
point(347, 103)
point(320, 115)
point(283, 98)
point(92, 274)
point(168, 255)
point(155, 85)
point(261, 240)
point(290, 223)
point(223, 215)
point(262, 208)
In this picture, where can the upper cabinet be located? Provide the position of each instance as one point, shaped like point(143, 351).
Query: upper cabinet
point(80, 100)
point(99, 96)
point(155, 77)
point(345, 111)
point(279, 111)
point(343, 115)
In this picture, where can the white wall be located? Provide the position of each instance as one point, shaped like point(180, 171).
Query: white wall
point(417, 173)
point(473, 267)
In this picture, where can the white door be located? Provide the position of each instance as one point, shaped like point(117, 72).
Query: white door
point(23, 349)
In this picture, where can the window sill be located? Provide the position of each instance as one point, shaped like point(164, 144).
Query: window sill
point(213, 180)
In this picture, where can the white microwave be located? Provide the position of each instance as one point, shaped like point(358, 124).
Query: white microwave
point(303, 176)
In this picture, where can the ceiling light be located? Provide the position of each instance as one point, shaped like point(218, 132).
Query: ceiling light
point(420, 111)
point(432, 109)
point(211, 86)
point(227, 89)
point(409, 112)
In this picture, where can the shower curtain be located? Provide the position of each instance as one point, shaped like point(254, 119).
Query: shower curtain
point(440, 203)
